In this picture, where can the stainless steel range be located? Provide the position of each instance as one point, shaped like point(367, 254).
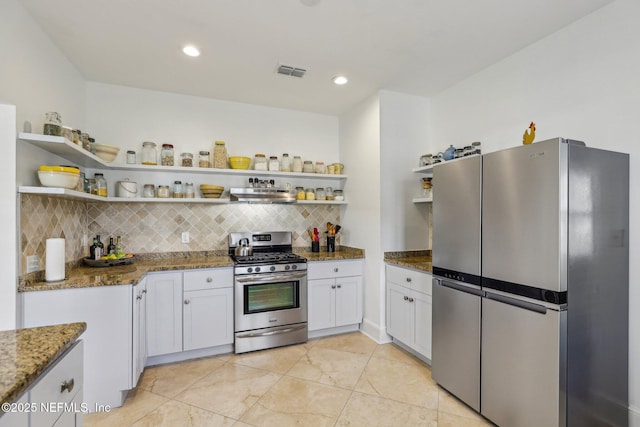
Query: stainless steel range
point(270, 291)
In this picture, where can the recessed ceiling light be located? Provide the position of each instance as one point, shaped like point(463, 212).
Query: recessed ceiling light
point(191, 50)
point(340, 80)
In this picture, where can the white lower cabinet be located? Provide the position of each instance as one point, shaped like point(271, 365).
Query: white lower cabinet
point(55, 398)
point(164, 313)
point(107, 311)
point(189, 310)
point(409, 307)
point(334, 294)
point(139, 329)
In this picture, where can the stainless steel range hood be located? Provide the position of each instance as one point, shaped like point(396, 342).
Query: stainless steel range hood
point(261, 195)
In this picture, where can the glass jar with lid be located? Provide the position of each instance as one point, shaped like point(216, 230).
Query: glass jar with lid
point(329, 192)
point(186, 160)
point(86, 144)
point(204, 161)
point(307, 167)
point(219, 155)
point(320, 194)
point(320, 168)
point(149, 153)
point(274, 163)
point(149, 190)
point(285, 163)
point(177, 190)
point(163, 192)
point(310, 194)
point(300, 193)
point(296, 165)
point(189, 191)
point(131, 157)
point(166, 155)
point(101, 185)
point(260, 162)
point(338, 195)
point(52, 124)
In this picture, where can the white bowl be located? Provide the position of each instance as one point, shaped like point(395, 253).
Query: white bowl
point(58, 179)
point(106, 152)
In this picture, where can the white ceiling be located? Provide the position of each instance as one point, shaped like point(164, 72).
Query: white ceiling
point(411, 46)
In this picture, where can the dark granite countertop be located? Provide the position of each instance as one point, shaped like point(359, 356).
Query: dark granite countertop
point(417, 260)
point(26, 353)
point(82, 276)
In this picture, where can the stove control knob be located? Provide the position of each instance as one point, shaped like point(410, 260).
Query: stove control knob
point(257, 269)
point(287, 267)
point(249, 270)
point(272, 268)
point(294, 266)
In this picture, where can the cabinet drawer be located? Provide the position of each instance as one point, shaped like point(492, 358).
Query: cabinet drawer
point(209, 278)
point(328, 269)
point(49, 389)
point(416, 280)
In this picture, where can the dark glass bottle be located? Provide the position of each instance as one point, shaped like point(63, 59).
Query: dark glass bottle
point(99, 251)
point(92, 248)
point(111, 249)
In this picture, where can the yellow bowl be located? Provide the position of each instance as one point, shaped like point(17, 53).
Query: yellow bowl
point(68, 169)
point(59, 179)
point(239, 162)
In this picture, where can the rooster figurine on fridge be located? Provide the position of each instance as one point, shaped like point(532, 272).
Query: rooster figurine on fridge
point(529, 134)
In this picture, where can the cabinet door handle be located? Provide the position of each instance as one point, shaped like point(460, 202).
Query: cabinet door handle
point(67, 385)
point(139, 296)
point(410, 299)
point(187, 301)
point(144, 291)
point(333, 286)
point(335, 270)
point(209, 279)
point(406, 298)
point(409, 279)
point(339, 286)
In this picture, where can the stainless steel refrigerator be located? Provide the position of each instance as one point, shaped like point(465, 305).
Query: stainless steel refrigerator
point(554, 285)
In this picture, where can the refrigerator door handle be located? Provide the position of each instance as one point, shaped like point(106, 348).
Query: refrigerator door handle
point(517, 303)
point(476, 292)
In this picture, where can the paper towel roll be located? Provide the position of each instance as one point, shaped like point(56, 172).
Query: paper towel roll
point(54, 260)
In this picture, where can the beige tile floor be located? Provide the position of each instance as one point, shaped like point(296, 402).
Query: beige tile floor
point(344, 380)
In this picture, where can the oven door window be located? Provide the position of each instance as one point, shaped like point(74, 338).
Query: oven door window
point(271, 297)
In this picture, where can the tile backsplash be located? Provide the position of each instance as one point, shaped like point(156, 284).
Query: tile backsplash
point(158, 227)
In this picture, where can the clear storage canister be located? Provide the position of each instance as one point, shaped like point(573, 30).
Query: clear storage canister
point(163, 191)
point(307, 167)
point(101, 185)
point(310, 194)
point(320, 168)
point(131, 157)
point(320, 194)
point(177, 190)
point(300, 193)
point(274, 163)
point(149, 190)
point(220, 155)
point(186, 159)
point(338, 195)
point(285, 163)
point(260, 162)
point(189, 191)
point(204, 161)
point(149, 153)
point(296, 165)
point(166, 155)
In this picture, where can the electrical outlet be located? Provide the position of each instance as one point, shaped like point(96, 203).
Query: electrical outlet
point(33, 263)
point(85, 240)
point(185, 237)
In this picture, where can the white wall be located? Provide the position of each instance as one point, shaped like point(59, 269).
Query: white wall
point(360, 151)
point(403, 139)
point(580, 83)
point(36, 78)
point(126, 117)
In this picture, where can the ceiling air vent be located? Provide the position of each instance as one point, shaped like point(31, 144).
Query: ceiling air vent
point(291, 71)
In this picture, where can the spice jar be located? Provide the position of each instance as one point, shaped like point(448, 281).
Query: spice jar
point(186, 159)
point(101, 185)
point(166, 155)
point(320, 194)
point(149, 153)
point(310, 194)
point(329, 192)
point(285, 163)
point(52, 124)
point(90, 186)
point(86, 144)
point(274, 164)
point(219, 155)
point(131, 157)
point(300, 193)
point(189, 191)
point(338, 195)
point(296, 164)
point(204, 161)
point(307, 166)
point(320, 168)
point(425, 160)
point(260, 162)
point(177, 190)
point(163, 191)
point(148, 190)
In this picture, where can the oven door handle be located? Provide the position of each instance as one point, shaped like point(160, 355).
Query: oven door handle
point(266, 278)
point(269, 333)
